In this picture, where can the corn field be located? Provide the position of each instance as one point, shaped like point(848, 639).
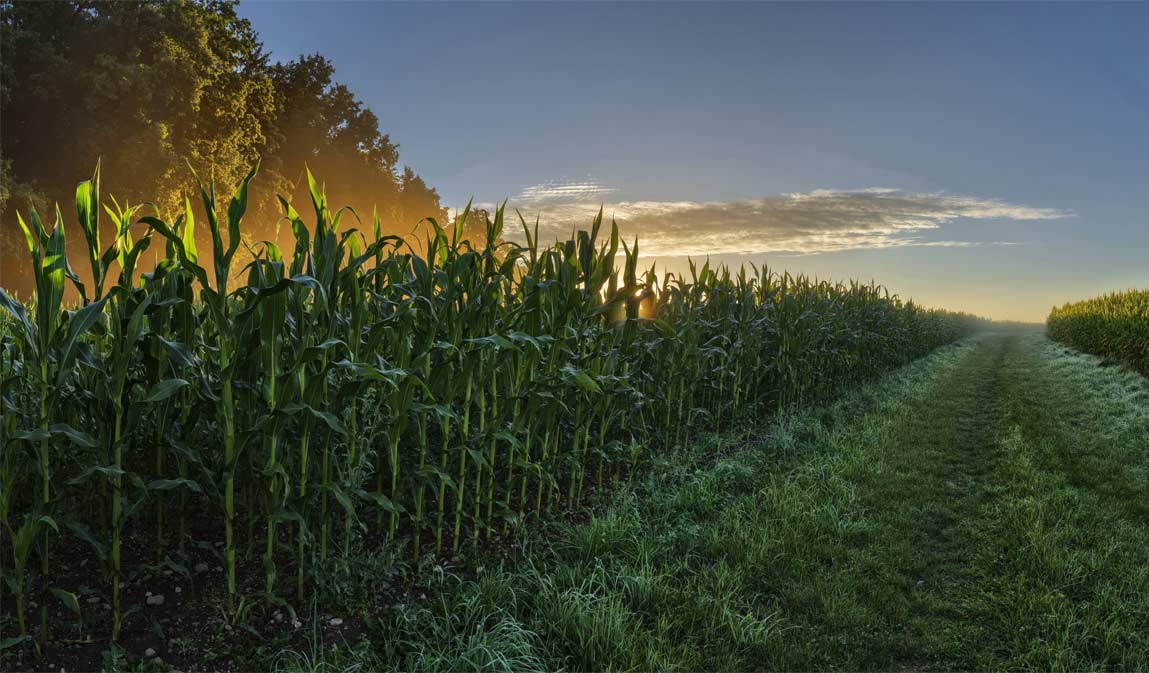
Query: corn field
point(366, 389)
point(1115, 325)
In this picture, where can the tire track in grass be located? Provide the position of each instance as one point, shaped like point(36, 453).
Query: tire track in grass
point(1069, 588)
point(1016, 495)
point(923, 491)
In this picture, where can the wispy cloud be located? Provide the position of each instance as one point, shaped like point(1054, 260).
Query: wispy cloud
point(822, 220)
point(563, 191)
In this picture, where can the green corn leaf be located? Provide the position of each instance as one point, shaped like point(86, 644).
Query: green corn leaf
point(57, 431)
point(331, 420)
point(165, 389)
point(80, 323)
point(68, 599)
point(181, 354)
point(171, 484)
point(108, 471)
point(187, 236)
point(81, 531)
point(16, 309)
point(381, 500)
point(13, 641)
point(344, 501)
point(584, 381)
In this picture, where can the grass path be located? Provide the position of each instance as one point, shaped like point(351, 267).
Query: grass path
point(925, 499)
point(986, 508)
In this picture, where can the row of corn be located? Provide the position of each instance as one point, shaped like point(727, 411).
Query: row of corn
point(357, 388)
point(1114, 325)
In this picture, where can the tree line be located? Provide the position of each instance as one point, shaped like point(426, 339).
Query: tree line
point(149, 87)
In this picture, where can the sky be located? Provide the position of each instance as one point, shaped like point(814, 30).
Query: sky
point(992, 158)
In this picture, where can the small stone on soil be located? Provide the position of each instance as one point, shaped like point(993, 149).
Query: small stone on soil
point(150, 652)
point(158, 599)
point(335, 621)
point(201, 567)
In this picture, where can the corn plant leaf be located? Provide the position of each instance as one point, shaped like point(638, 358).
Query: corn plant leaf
point(16, 309)
point(345, 502)
point(25, 537)
point(81, 531)
point(431, 473)
point(478, 457)
point(187, 235)
point(582, 379)
point(440, 411)
point(285, 515)
point(81, 321)
point(133, 505)
point(236, 210)
point(108, 471)
point(366, 371)
point(67, 598)
point(7, 643)
point(509, 438)
point(171, 484)
point(331, 420)
point(181, 354)
point(188, 261)
point(496, 340)
point(56, 430)
point(176, 567)
point(382, 501)
point(165, 389)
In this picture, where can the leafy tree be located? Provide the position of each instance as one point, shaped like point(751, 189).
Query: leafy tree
point(324, 127)
point(146, 86)
point(142, 85)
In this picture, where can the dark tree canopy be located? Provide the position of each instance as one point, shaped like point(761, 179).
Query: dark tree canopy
point(147, 86)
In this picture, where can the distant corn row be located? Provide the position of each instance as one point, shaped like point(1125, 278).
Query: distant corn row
point(1115, 325)
point(353, 390)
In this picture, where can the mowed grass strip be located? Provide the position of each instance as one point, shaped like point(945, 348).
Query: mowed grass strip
point(1070, 573)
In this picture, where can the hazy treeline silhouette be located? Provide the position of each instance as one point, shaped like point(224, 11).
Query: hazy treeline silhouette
point(146, 86)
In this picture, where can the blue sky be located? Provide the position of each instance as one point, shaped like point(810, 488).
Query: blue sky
point(992, 158)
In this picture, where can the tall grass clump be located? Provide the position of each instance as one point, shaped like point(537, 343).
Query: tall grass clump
point(356, 389)
point(1114, 325)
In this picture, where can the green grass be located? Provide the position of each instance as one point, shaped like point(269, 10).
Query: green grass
point(980, 509)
